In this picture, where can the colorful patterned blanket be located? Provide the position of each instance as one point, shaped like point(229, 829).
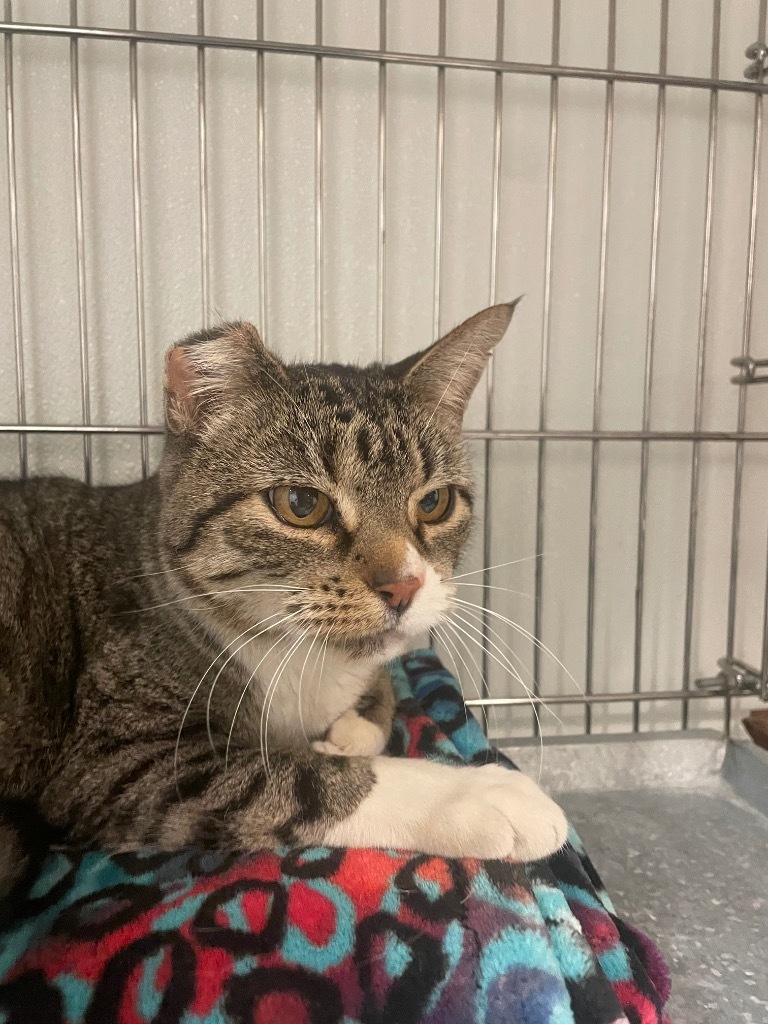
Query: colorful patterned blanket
point(320, 936)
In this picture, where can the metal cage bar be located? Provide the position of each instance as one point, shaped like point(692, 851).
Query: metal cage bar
point(13, 219)
point(442, 62)
point(138, 240)
point(554, 98)
point(389, 57)
point(82, 303)
point(597, 387)
point(693, 515)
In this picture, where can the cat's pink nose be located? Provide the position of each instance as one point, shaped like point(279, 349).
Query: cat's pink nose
point(399, 593)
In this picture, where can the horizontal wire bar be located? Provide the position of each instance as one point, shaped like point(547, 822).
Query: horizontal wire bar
point(628, 697)
point(387, 56)
point(470, 435)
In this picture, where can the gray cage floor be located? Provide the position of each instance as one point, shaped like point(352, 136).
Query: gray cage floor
point(689, 869)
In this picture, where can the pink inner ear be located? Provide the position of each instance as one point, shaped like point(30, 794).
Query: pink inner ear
point(179, 379)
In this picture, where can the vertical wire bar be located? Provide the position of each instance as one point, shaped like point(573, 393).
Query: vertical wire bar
point(202, 136)
point(439, 191)
point(597, 392)
point(382, 186)
point(319, 346)
point(661, 106)
point(138, 239)
point(261, 187)
point(554, 100)
point(693, 516)
point(13, 224)
point(498, 101)
point(82, 309)
point(439, 173)
point(745, 346)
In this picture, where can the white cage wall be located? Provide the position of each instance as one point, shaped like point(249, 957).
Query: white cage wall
point(355, 176)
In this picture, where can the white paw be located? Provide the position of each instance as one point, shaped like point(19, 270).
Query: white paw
point(503, 813)
point(487, 812)
point(352, 736)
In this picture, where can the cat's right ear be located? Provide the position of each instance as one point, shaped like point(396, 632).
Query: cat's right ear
point(207, 368)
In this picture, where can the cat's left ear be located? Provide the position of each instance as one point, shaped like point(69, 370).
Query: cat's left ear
point(444, 375)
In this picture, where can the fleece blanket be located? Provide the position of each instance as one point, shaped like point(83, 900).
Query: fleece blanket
point(330, 936)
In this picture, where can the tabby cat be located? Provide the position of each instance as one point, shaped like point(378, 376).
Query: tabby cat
point(199, 659)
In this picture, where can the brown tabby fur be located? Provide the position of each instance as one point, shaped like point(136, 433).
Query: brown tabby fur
point(115, 601)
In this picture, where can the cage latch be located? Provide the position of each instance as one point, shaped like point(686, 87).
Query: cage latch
point(749, 370)
point(735, 679)
point(758, 54)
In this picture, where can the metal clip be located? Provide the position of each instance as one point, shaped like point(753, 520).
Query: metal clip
point(748, 368)
point(757, 53)
point(735, 679)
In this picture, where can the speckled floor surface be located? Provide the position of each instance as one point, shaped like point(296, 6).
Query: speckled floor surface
point(691, 869)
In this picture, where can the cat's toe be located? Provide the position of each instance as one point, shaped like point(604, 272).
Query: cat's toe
point(503, 813)
point(325, 747)
point(355, 736)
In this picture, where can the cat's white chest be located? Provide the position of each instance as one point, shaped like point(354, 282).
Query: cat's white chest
point(294, 699)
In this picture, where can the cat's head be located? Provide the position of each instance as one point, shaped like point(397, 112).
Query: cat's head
point(319, 500)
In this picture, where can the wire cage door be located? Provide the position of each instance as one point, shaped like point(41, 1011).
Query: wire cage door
point(355, 176)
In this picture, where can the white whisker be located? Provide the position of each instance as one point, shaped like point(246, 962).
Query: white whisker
point(501, 565)
point(195, 692)
point(271, 626)
point(245, 691)
point(217, 593)
point(269, 696)
point(532, 696)
point(301, 680)
point(461, 639)
point(520, 629)
point(452, 651)
point(480, 617)
point(516, 675)
point(507, 590)
point(322, 662)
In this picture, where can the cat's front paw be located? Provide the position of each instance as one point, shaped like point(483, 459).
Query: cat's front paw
point(503, 813)
point(352, 736)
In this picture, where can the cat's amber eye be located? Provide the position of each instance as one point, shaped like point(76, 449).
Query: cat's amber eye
point(435, 505)
point(300, 506)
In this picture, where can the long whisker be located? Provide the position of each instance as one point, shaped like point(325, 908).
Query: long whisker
point(195, 692)
point(462, 643)
point(271, 626)
point(507, 590)
point(322, 662)
point(533, 697)
point(460, 639)
point(301, 680)
point(487, 627)
point(216, 593)
point(453, 651)
point(143, 575)
point(501, 565)
point(270, 696)
point(533, 703)
point(520, 629)
point(245, 691)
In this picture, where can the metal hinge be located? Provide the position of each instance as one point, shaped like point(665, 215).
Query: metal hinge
point(758, 54)
point(748, 368)
point(735, 679)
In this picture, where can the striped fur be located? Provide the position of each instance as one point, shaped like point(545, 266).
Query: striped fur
point(135, 621)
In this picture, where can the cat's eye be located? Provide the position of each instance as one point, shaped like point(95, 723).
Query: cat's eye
point(435, 505)
point(300, 506)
